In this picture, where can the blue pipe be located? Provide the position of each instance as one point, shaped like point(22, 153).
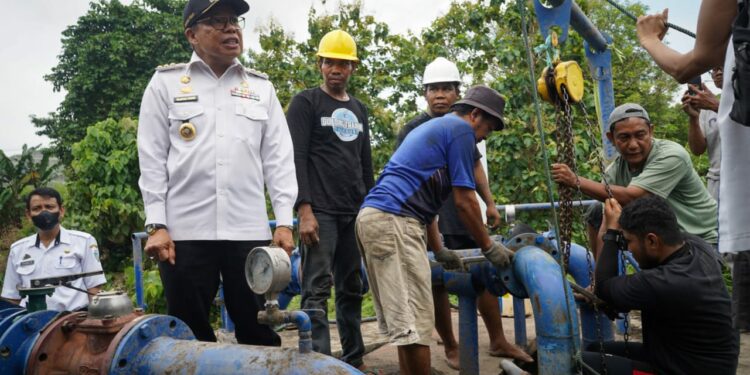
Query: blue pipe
point(302, 321)
point(166, 355)
point(468, 337)
point(226, 320)
point(519, 321)
point(137, 240)
point(19, 338)
point(581, 269)
point(554, 315)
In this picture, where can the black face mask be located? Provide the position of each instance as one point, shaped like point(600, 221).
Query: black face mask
point(46, 220)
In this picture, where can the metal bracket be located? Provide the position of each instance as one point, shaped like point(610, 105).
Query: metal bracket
point(600, 65)
point(555, 16)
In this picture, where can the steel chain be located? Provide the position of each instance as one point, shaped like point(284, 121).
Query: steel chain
point(623, 260)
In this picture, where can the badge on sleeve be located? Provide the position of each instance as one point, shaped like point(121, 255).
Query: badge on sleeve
point(95, 249)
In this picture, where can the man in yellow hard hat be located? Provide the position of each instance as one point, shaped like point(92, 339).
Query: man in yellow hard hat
point(334, 172)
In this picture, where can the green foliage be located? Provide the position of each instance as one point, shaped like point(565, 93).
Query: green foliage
point(484, 40)
point(153, 290)
point(18, 177)
point(107, 59)
point(104, 196)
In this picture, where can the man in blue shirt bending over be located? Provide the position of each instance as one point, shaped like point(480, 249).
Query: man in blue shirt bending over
point(434, 161)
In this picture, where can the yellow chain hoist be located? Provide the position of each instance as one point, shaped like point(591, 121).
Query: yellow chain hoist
point(565, 73)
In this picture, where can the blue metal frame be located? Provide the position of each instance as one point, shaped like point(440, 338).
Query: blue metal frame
point(565, 13)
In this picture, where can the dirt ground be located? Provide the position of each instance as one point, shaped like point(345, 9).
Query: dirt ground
point(384, 357)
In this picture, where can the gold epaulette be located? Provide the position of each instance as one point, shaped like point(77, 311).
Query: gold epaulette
point(256, 73)
point(172, 66)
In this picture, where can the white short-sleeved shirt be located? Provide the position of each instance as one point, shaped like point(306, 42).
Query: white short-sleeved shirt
point(71, 252)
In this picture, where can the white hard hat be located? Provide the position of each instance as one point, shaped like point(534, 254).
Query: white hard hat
point(440, 70)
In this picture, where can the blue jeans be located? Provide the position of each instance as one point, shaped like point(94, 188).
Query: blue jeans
point(335, 258)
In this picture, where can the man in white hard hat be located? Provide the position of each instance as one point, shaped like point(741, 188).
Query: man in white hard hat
point(441, 81)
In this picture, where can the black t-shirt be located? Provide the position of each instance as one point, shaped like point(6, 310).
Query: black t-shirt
point(686, 310)
point(449, 222)
point(332, 152)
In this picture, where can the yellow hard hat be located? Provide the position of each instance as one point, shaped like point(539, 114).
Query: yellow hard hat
point(338, 44)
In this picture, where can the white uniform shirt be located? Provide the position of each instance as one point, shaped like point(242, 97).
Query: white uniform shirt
point(734, 194)
point(212, 187)
point(71, 252)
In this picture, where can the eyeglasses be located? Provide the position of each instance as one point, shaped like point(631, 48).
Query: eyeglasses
point(221, 23)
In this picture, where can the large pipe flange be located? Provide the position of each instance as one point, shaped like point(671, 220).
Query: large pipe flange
point(50, 352)
point(138, 334)
point(17, 341)
point(521, 241)
point(9, 316)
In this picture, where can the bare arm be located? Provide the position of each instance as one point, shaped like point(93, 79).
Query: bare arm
point(11, 300)
point(93, 291)
point(434, 242)
point(696, 139)
point(483, 188)
point(562, 174)
point(713, 32)
point(471, 216)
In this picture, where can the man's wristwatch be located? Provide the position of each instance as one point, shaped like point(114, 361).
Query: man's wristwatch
point(290, 227)
point(152, 228)
point(614, 235)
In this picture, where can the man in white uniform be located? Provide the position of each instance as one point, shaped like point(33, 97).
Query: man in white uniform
point(53, 251)
point(211, 134)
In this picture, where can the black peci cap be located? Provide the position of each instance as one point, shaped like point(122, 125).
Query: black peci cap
point(194, 9)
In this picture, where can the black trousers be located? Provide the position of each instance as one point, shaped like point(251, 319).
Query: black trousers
point(741, 290)
point(336, 254)
point(191, 284)
point(618, 360)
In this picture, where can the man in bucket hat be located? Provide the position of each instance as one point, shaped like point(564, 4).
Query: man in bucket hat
point(433, 162)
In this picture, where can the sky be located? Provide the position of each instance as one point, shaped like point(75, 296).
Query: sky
point(25, 59)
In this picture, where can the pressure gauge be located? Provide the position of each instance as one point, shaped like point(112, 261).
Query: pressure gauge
point(268, 270)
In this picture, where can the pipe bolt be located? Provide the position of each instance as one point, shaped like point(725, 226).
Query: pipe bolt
point(145, 331)
point(30, 324)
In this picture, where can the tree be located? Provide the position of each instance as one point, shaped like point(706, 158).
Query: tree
point(483, 39)
point(104, 198)
point(17, 176)
point(106, 61)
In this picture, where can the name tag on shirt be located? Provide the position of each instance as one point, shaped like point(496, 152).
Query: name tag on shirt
point(186, 98)
point(27, 263)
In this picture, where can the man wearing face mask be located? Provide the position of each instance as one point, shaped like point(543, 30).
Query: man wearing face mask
point(53, 251)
